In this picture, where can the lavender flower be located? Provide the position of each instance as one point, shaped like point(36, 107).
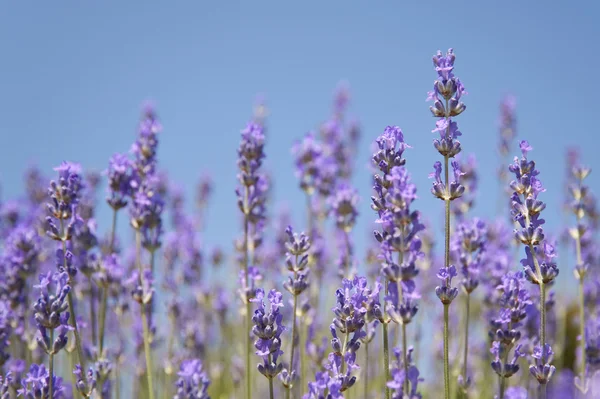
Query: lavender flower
point(6, 320)
point(193, 382)
point(268, 328)
point(402, 378)
point(36, 384)
point(85, 383)
point(51, 311)
point(542, 369)
point(350, 319)
point(538, 264)
point(64, 197)
point(119, 174)
point(308, 156)
point(506, 327)
point(296, 262)
point(5, 384)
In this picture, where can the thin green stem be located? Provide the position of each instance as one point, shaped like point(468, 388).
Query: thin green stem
point(366, 392)
point(466, 348)
point(446, 362)
point(502, 384)
point(582, 329)
point(386, 359)
point(51, 365)
point(271, 395)
point(248, 309)
point(117, 380)
point(146, 330)
point(302, 336)
point(103, 307)
point(93, 318)
point(289, 390)
point(581, 298)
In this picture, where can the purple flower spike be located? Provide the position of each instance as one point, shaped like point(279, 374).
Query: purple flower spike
point(193, 381)
point(268, 328)
point(119, 175)
point(36, 384)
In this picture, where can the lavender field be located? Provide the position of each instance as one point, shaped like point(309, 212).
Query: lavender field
point(332, 265)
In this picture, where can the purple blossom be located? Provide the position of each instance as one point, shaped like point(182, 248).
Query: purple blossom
point(36, 384)
point(51, 311)
point(343, 207)
point(119, 175)
point(85, 383)
point(6, 328)
point(542, 369)
point(506, 328)
point(469, 250)
point(268, 328)
point(193, 381)
point(145, 146)
point(399, 376)
point(445, 292)
point(308, 157)
point(64, 194)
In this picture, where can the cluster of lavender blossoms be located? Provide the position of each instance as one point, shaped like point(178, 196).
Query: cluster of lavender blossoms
point(446, 96)
point(87, 313)
point(539, 265)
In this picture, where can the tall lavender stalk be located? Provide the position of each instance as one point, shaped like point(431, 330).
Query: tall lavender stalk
point(400, 226)
point(296, 262)
point(579, 193)
point(64, 198)
point(251, 202)
point(390, 147)
point(146, 210)
point(446, 96)
point(540, 269)
point(119, 189)
point(468, 247)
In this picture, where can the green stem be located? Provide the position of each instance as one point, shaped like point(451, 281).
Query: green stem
point(466, 348)
point(346, 338)
point(103, 306)
point(146, 330)
point(51, 365)
point(117, 380)
point(271, 396)
point(446, 362)
point(366, 392)
point(289, 389)
point(582, 330)
point(386, 359)
point(581, 299)
point(504, 361)
point(248, 309)
point(303, 357)
point(93, 312)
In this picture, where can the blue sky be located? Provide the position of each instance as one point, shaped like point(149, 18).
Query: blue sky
point(74, 75)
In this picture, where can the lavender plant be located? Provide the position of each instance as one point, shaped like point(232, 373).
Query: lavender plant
point(251, 200)
point(538, 264)
point(446, 96)
point(390, 147)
